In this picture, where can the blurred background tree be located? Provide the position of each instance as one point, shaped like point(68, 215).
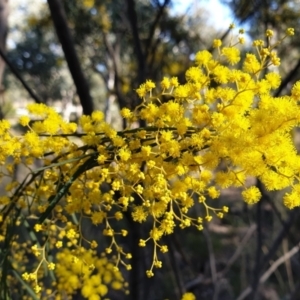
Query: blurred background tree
point(119, 44)
point(4, 11)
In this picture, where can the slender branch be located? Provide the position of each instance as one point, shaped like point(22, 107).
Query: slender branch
point(212, 260)
point(132, 17)
point(222, 38)
point(291, 75)
point(64, 35)
point(111, 52)
point(239, 250)
point(152, 52)
point(287, 225)
point(282, 234)
point(136, 285)
point(114, 54)
point(271, 270)
point(178, 246)
point(4, 14)
point(201, 280)
point(173, 278)
point(271, 202)
point(212, 263)
point(174, 263)
point(288, 266)
point(259, 242)
point(20, 78)
point(154, 25)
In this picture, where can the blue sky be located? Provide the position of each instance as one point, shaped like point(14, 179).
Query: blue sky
point(220, 14)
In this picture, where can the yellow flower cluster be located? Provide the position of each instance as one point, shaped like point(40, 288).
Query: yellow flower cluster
point(156, 174)
point(83, 270)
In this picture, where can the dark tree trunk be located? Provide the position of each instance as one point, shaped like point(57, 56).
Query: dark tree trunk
point(4, 11)
point(3, 34)
point(64, 35)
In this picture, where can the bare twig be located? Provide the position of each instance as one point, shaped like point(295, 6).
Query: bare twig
point(154, 24)
point(281, 235)
point(212, 263)
point(133, 20)
point(200, 278)
point(291, 76)
point(285, 246)
point(271, 270)
point(261, 262)
point(277, 274)
point(239, 250)
point(271, 202)
point(278, 262)
point(212, 260)
point(259, 242)
point(20, 78)
point(174, 264)
point(64, 35)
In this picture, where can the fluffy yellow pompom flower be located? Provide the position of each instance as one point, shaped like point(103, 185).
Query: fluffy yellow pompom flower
point(251, 195)
point(296, 91)
point(174, 82)
point(141, 91)
point(203, 57)
point(269, 33)
point(290, 31)
point(274, 80)
point(232, 54)
point(292, 200)
point(149, 85)
point(165, 83)
point(24, 120)
point(97, 116)
point(217, 43)
point(126, 113)
point(251, 64)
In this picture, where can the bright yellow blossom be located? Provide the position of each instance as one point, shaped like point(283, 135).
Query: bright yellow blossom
point(251, 195)
point(217, 43)
point(232, 54)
